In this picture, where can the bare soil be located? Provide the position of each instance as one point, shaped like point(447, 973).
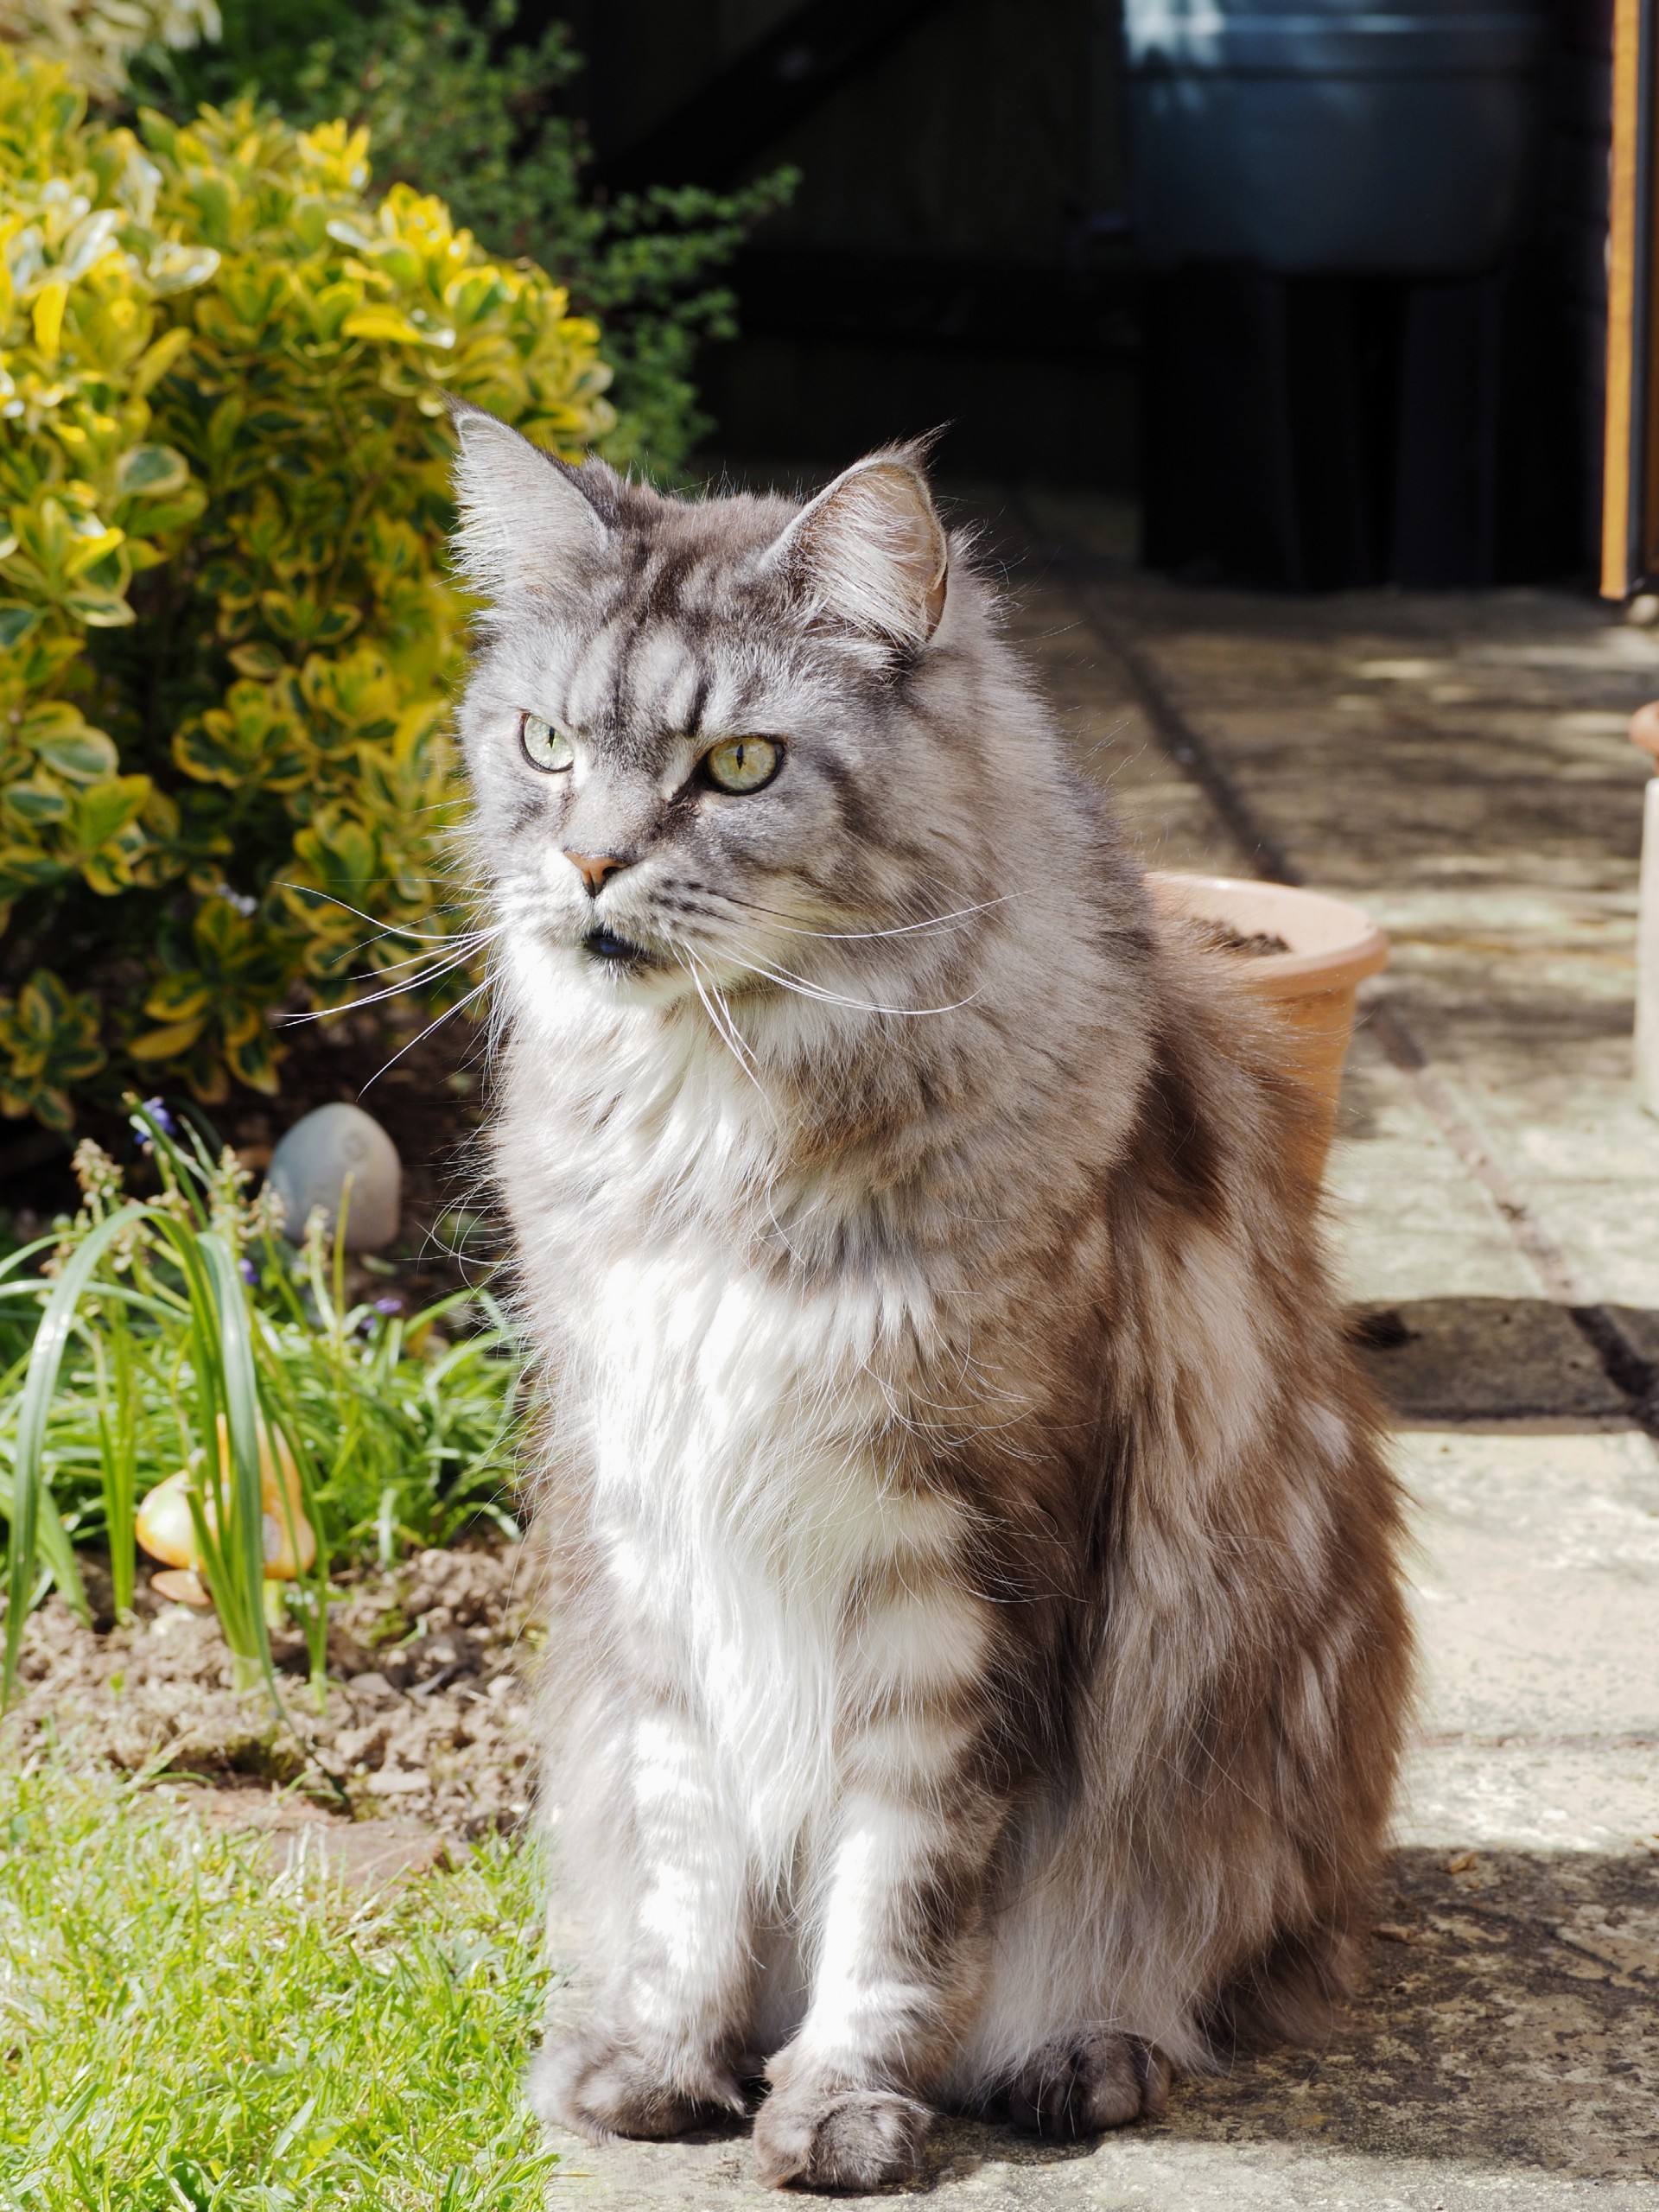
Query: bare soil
point(425, 1722)
point(1256, 944)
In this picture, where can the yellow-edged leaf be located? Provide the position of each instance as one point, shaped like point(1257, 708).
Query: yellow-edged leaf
point(48, 315)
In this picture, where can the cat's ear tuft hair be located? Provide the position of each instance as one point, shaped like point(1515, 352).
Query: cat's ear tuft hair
point(530, 525)
point(870, 550)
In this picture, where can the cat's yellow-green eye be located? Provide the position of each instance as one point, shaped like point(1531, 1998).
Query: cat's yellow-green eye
point(545, 746)
point(742, 763)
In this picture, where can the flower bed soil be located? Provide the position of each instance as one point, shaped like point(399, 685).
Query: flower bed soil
point(426, 1720)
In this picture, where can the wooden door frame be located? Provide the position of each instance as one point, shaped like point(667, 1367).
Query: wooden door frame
point(1630, 505)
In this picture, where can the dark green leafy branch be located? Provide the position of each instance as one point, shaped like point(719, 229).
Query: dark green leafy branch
point(461, 107)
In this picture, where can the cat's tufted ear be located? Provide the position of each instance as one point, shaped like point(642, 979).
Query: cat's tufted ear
point(870, 551)
point(529, 525)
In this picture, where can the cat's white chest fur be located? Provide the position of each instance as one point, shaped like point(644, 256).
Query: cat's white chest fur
point(747, 1485)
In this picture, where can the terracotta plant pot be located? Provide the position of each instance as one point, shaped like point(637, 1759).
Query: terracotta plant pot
point(1333, 947)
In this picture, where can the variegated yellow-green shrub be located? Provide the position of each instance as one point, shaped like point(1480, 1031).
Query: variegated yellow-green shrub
point(226, 627)
point(97, 39)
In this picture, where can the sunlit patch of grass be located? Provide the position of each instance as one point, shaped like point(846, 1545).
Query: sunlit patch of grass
point(180, 2028)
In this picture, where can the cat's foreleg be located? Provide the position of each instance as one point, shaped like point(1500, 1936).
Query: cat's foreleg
point(899, 1962)
point(660, 2048)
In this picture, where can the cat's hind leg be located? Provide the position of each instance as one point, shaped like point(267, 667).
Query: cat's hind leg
point(1085, 2083)
point(1086, 2010)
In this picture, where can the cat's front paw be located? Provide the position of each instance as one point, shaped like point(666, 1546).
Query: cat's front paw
point(1087, 2082)
point(603, 2086)
point(839, 2138)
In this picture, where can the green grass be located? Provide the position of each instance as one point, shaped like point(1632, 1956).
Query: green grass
point(179, 2029)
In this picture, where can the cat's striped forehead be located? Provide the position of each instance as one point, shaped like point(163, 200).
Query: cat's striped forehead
point(680, 642)
point(627, 681)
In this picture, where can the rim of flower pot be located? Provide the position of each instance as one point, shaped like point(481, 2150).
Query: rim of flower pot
point(1332, 942)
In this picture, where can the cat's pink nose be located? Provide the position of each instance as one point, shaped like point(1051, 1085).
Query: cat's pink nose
point(595, 869)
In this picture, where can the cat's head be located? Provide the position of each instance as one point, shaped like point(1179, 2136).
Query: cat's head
point(718, 742)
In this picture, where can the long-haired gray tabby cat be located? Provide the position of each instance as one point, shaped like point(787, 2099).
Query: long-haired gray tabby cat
point(980, 1660)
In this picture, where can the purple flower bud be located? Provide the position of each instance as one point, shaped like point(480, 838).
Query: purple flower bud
point(250, 1273)
point(388, 1304)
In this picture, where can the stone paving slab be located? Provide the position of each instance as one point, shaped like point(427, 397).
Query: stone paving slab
point(979, 2167)
point(1408, 1219)
point(1596, 1795)
point(1537, 1582)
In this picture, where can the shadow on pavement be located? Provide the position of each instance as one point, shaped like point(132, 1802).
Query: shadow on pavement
point(1506, 2015)
point(1471, 1359)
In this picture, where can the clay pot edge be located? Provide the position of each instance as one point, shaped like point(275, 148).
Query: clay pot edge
point(1362, 951)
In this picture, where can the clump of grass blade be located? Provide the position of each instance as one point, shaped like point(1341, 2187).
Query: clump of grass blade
point(181, 2029)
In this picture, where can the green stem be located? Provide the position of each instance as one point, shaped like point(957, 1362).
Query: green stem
point(121, 1501)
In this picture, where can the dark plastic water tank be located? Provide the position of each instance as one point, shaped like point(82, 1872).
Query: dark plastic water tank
point(1335, 138)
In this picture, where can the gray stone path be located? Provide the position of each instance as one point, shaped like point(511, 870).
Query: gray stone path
point(1459, 765)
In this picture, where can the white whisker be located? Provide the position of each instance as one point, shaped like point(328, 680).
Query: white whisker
point(384, 928)
point(848, 937)
point(427, 1032)
point(724, 1026)
point(469, 940)
point(400, 990)
point(809, 990)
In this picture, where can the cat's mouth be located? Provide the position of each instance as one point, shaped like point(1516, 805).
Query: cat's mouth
point(617, 951)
